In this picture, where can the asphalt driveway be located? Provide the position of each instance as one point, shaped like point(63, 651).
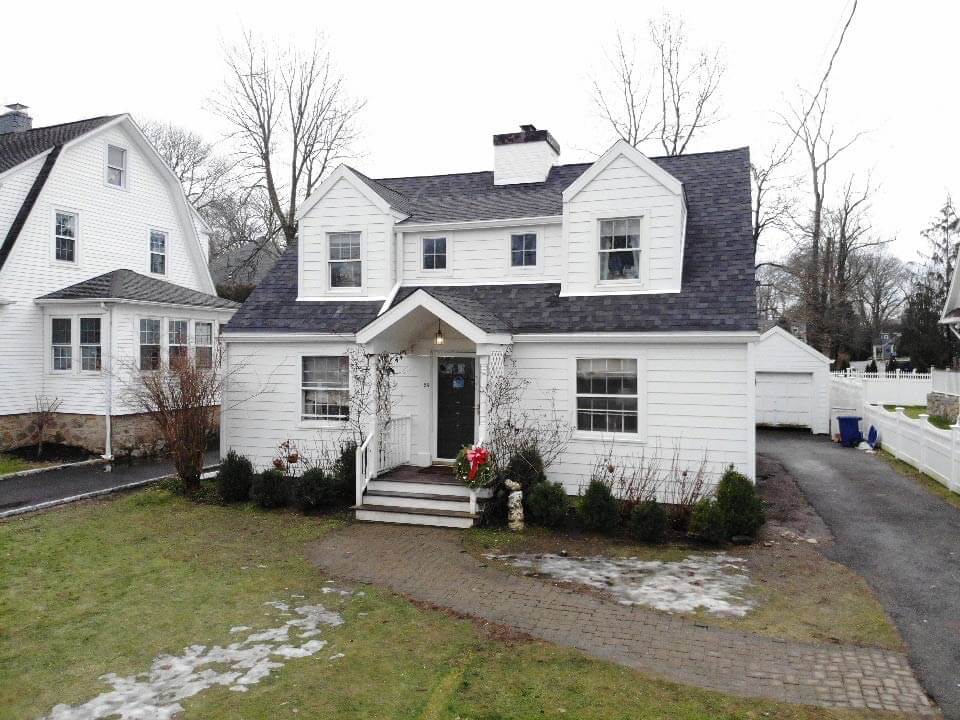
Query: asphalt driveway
point(24, 491)
point(902, 539)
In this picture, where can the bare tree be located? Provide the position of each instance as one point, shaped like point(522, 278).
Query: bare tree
point(43, 417)
point(884, 286)
point(291, 119)
point(247, 235)
point(688, 81)
point(203, 174)
point(182, 399)
point(773, 198)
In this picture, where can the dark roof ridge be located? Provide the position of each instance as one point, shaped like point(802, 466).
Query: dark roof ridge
point(20, 133)
point(125, 284)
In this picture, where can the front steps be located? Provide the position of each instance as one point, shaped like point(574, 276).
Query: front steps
point(418, 496)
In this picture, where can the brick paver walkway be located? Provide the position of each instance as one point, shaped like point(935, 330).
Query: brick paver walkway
point(429, 565)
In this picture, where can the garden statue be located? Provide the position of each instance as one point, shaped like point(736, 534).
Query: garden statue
point(514, 506)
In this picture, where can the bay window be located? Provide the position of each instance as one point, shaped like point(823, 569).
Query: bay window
point(203, 344)
point(177, 341)
point(91, 351)
point(149, 344)
point(62, 343)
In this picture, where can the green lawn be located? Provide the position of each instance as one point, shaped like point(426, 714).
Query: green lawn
point(107, 586)
point(930, 484)
point(915, 411)
point(10, 464)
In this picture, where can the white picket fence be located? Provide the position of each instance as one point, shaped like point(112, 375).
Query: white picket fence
point(931, 450)
point(946, 382)
point(883, 388)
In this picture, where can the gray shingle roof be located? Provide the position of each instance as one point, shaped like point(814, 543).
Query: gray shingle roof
point(130, 285)
point(18, 147)
point(718, 265)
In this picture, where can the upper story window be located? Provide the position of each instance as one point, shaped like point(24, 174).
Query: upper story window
point(62, 343)
point(91, 351)
point(325, 388)
point(149, 344)
point(116, 166)
point(435, 253)
point(620, 249)
point(607, 395)
point(345, 264)
point(177, 341)
point(158, 252)
point(65, 236)
point(523, 250)
point(203, 344)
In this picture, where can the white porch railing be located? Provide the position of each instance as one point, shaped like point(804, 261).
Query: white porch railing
point(918, 443)
point(383, 450)
point(946, 382)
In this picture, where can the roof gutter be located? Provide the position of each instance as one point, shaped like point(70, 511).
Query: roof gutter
point(93, 301)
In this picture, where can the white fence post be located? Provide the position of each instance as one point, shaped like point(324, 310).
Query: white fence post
point(954, 460)
point(899, 433)
point(923, 442)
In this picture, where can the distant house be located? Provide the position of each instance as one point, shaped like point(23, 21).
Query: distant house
point(103, 264)
point(885, 347)
point(621, 290)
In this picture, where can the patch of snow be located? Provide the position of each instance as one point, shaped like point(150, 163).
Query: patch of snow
point(337, 656)
point(715, 583)
point(157, 693)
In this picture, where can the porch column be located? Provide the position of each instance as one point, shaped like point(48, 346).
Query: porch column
point(490, 360)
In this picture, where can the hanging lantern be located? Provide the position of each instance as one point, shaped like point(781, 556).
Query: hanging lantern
point(438, 340)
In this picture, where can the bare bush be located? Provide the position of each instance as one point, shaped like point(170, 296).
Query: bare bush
point(46, 409)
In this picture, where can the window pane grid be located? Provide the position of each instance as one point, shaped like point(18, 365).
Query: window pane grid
point(62, 343)
point(177, 341)
point(66, 236)
point(116, 165)
point(158, 252)
point(203, 340)
point(523, 250)
point(620, 249)
point(344, 259)
point(434, 253)
point(607, 395)
point(91, 354)
point(325, 388)
point(149, 344)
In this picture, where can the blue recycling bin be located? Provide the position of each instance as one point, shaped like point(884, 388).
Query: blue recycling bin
point(850, 435)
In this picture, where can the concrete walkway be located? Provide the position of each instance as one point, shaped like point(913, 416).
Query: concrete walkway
point(429, 565)
point(24, 491)
point(903, 539)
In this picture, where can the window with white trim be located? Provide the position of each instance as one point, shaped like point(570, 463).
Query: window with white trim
point(158, 252)
point(177, 339)
point(435, 253)
point(116, 166)
point(620, 249)
point(607, 397)
point(149, 344)
point(523, 250)
point(65, 236)
point(346, 267)
point(203, 344)
point(61, 330)
point(325, 388)
point(91, 351)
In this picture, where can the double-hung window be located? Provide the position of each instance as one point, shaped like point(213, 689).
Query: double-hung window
point(203, 344)
point(607, 395)
point(325, 388)
point(91, 351)
point(65, 236)
point(158, 252)
point(435, 253)
point(177, 341)
point(620, 249)
point(345, 264)
point(116, 166)
point(149, 344)
point(62, 343)
point(523, 250)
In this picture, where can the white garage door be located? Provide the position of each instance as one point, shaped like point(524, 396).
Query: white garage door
point(784, 398)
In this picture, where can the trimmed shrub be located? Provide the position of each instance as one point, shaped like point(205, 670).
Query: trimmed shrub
point(345, 467)
point(548, 505)
point(493, 512)
point(599, 510)
point(739, 505)
point(706, 523)
point(648, 522)
point(315, 490)
point(526, 468)
point(269, 489)
point(234, 478)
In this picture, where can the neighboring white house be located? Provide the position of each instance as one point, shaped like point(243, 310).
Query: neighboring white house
point(103, 265)
point(621, 290)
point(793, 383)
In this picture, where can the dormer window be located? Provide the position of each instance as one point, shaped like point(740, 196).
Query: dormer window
point(346, 269)
point(523, 250)
point(620, 249)
point(116, 166)
point(435, 253)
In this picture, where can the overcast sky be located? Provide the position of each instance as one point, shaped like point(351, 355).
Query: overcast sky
point(441, 78)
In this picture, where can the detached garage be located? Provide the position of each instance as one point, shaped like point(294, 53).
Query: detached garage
point(793, 383)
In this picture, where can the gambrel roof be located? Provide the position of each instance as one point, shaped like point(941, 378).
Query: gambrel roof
point(18, 147)
point(717, 290)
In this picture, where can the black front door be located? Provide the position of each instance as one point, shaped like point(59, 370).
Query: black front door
point(455, 401)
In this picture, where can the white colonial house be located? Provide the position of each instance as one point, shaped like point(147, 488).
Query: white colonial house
point(621, 291)
point(103, 264)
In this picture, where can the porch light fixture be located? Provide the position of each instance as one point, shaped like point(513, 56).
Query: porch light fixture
point(438, 340)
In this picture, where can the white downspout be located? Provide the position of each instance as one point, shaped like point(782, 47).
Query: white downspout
point(108, 385)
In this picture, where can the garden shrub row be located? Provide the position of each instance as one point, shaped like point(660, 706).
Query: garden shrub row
point(735, 510)
point(317, 489)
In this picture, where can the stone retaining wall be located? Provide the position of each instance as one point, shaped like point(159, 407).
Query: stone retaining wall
point(943, 405)
point(132, 434)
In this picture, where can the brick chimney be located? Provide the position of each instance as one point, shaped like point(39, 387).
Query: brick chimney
point(524, 157)
point(15, 120)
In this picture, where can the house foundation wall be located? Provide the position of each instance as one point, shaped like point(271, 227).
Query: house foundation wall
point(132, 434)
